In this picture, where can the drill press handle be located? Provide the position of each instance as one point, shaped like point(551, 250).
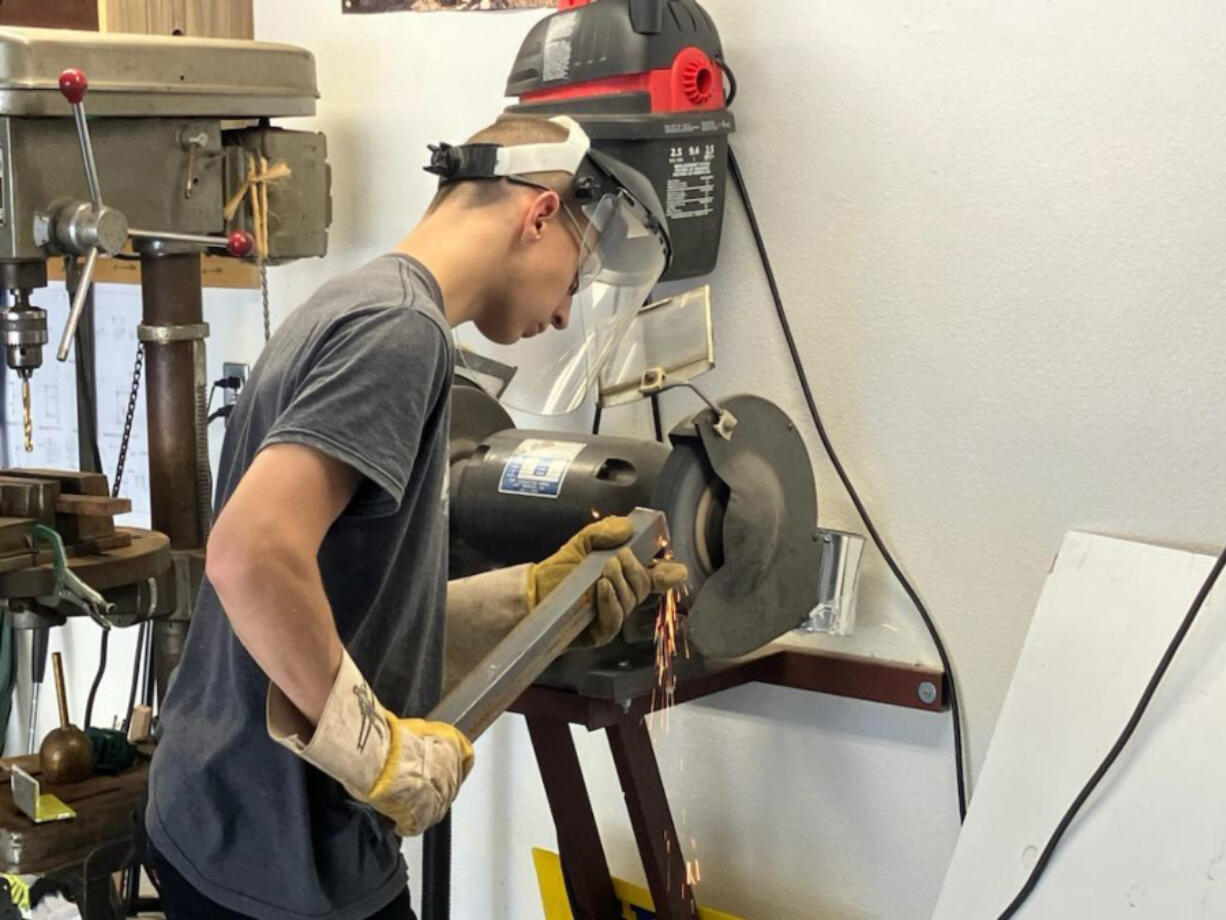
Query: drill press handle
point(73, 85)
point(99, 230)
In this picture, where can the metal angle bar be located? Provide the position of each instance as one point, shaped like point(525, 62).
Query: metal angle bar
point(541, 636)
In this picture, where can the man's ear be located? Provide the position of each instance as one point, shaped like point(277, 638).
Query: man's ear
point(542, 208)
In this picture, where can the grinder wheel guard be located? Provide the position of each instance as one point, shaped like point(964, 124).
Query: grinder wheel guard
point(763, 571)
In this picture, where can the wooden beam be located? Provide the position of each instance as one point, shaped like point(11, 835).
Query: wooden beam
point(15, 535)
point(50, 14)
point(75, 528)
point(220, 18)
point(215, 272)
point(29, 498)
point(92, 505)
point(197, 18)
point(71, 482)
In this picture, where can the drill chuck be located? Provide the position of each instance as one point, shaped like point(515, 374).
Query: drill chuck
point(23, 328)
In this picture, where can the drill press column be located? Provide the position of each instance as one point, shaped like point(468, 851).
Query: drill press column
point(179, 480)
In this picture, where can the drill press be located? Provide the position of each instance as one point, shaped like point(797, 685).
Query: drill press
point(158, 150)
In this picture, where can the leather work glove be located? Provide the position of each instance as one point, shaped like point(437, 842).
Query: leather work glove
point(624, 584)
point(407, 769)
point(483, 609)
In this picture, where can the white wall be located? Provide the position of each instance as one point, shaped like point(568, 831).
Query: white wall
point(999, 229)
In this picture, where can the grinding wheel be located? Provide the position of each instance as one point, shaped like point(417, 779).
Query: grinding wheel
point(693, 499)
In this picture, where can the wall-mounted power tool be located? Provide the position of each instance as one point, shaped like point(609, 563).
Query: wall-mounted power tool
point(645, 79)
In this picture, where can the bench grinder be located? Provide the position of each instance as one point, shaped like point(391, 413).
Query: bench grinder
point(741, 506)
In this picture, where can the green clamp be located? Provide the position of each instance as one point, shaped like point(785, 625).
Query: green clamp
point(68, 587)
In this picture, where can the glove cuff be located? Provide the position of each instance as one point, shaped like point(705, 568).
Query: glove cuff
point(353, 737)
point(530, 592)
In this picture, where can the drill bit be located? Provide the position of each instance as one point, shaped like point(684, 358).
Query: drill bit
point(27, 414)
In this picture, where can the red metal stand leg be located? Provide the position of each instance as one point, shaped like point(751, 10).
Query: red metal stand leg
point(583, 859)
point(659, 848)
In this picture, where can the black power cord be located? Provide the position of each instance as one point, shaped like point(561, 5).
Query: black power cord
point(1134, 720)
point(657, 420)
point(93, 690)
point(731, 91)
point(222, 412)
point(226, 383)
point(137, 660)
point(738, 179)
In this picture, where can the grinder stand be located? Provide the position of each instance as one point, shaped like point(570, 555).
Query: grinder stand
point(551, 712)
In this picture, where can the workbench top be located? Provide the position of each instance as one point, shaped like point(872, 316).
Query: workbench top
point(104, 807)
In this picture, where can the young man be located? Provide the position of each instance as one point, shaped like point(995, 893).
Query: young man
point(290, 759)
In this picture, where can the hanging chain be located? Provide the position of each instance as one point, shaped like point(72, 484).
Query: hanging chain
point(127, 422)
point(264, 294)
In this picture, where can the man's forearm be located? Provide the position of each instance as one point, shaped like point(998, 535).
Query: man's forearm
point(280, 613)
point(481, 611)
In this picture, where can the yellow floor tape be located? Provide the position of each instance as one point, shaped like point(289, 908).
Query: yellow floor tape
point(636, 901)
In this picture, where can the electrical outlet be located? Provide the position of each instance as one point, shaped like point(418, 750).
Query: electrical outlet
point(234, 370)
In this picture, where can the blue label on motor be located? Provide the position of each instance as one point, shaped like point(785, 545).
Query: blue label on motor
point(538, 468)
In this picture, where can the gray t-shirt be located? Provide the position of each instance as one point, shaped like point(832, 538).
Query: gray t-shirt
point(362, 371)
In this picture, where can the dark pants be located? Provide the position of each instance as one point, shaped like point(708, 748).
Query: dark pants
point(181, 901)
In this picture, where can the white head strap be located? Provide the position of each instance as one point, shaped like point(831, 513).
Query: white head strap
point(556, 156)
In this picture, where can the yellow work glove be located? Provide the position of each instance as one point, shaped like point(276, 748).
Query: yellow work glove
point(624, 584)
point(407, 769)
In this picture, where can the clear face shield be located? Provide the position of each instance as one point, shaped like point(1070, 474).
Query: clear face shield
point(623, 253)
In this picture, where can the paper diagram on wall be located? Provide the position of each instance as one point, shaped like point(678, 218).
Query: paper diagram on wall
point(54, 400)
point(236, 335)
point(429, 6)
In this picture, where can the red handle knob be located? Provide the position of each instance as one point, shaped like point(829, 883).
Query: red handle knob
point(241, 244)
point(73, 84)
